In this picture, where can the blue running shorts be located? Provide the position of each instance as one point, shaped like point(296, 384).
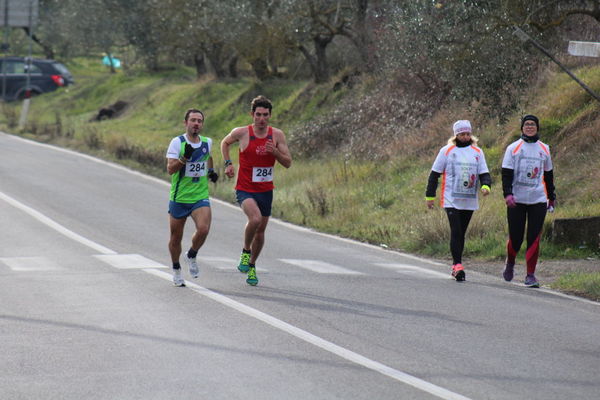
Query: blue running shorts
point(264, 200)
point(183, 210)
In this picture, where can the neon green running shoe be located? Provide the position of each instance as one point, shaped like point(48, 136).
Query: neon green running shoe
point(252, 279)
point(244, 261)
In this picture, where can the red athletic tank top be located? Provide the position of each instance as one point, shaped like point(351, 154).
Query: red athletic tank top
point(255, 173)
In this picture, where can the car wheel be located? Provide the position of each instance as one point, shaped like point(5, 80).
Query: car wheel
point(33, 94)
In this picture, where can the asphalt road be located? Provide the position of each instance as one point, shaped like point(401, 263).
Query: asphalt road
point(88, 310)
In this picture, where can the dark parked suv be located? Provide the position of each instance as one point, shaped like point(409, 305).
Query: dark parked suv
point(45, 76)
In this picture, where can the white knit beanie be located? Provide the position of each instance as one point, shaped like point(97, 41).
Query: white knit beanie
point(461, 126)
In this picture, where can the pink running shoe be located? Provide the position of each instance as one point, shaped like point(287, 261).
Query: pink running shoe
point(458, 272)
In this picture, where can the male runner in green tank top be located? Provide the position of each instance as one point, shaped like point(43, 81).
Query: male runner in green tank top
point(190, 165)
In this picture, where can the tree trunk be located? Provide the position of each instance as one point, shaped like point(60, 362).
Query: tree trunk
point(232, 66)
point(322, 66)
point(214, 53)
point(152, 64)
point(200, 65)
point(260, 68)
point(47, 49)
point(111, 63)
point(318, 64)
point(360, 36)
point(312, 62)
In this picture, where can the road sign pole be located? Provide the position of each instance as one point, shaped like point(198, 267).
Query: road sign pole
point(526, 38)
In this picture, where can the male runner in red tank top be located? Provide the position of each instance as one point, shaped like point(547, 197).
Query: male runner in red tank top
point(260, 147)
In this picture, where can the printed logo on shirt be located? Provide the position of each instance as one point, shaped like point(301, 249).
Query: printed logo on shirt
point(527, 171)
point(533, 173)
point(470, 182)
point(200, 152)
point(261, 150)
point(465, 179)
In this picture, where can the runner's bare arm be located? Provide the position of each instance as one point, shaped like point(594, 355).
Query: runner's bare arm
point(174, 165)
point(280, 149)
point(236, 135)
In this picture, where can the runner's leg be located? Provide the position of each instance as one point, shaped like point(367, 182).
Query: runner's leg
point(516, 217)
point(536, 214)
point(259, 239)
point(465, 218)
point(252, 212)
point(456, 235)
point(176, 228)
point(202, 218)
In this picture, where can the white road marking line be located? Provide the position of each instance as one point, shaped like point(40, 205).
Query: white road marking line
point(225, 263)
point(129, 261)
point(319, 342)
point(411, 269)
point(321, 267)
point(56, 226)
point(25, 264)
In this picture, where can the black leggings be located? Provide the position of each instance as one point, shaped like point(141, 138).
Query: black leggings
point(534, 215)
point(459, 222)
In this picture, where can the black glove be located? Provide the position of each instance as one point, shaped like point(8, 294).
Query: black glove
point(212, 175)
point(188, 151)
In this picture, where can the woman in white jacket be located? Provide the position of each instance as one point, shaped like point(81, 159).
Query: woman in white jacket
point(528, 187)
point(462, 166)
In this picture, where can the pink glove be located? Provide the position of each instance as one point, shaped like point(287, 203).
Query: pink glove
point(510, 201)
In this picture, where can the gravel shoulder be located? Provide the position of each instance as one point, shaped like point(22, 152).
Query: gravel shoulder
point(547, 272)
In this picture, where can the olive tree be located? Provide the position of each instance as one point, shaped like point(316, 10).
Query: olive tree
point(464, 50)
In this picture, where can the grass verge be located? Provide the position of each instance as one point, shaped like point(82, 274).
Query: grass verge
point(581, 284)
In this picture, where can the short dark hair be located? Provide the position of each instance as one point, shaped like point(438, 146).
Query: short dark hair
point(193, 110)
point(261, 101)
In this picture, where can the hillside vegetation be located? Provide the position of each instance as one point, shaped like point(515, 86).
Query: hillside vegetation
point(362, 148)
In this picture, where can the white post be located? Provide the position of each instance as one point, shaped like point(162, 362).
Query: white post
point(27, 101)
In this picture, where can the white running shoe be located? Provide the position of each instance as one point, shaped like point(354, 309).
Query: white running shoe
point(177, 278)
point(194, 271)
